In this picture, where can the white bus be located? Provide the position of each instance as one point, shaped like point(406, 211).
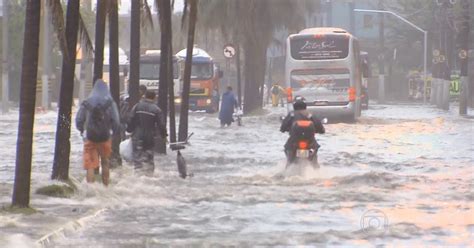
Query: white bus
point(322, 68)
point(150, 72)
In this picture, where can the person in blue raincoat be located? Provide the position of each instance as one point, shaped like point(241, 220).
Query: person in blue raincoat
point(229, 102)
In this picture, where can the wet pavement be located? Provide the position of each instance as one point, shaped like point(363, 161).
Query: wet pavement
point(402, 175)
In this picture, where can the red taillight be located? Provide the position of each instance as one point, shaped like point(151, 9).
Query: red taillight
point(289, 94)
point(303, 145)
point(318, 36)
point(352, 94)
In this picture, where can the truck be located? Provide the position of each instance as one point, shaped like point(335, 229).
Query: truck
point(205, 76)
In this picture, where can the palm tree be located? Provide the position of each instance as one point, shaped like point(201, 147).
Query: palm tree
point(63, 128)
point(114, 74)
point(99, 39)
point(183, 120)
point(29, 73)
point(164, 8)
point(134, 52)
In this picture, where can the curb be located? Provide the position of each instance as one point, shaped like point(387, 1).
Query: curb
point(71, 226)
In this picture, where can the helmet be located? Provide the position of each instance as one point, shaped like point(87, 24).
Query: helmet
point(299, 105)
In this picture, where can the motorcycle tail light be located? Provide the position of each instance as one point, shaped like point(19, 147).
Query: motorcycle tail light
point(303, 145)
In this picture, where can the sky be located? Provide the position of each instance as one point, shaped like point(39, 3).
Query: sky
point(125, 6)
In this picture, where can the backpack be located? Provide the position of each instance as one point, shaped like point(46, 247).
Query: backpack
point(98, 124)
point(303, 128)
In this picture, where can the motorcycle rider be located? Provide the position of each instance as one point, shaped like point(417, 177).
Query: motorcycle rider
point(288, 125)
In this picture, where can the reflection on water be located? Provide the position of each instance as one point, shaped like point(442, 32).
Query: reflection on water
point(414, 168)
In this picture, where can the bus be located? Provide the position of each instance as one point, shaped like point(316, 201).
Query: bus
point(205, 76)
point(322, 68)
point(150, 72)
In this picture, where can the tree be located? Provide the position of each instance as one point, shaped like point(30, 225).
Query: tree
point(183, 120)
point(114, 74)
point(258, 21)
point(99, 39)
point(164, 8)
point(29, 73)
point(407, 40)
point(63, 128)
point(5, 64)
point(134, 77)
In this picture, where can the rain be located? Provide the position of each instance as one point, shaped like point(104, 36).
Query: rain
point(391, 82)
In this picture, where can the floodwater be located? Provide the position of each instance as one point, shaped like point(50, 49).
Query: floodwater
point(401, 176)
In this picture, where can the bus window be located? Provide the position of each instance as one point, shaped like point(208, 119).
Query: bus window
point(149, 70)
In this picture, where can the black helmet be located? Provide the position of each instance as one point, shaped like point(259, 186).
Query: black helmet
point(299, 105)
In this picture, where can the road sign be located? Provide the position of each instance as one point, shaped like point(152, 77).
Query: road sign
point(462, 54)
point(229, 51)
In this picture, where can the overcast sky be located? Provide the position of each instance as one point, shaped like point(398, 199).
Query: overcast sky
point(125, 5)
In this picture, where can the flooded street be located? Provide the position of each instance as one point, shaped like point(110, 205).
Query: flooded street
point(402, 175)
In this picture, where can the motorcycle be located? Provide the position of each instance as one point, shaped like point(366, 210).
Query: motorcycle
point(303, 149)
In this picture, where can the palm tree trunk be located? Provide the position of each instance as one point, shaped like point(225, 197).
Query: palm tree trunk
point(114, 74)
point(165, 20)
point(134, 53)
point(63, 129)
point(99, 39)
point(29, 72)
point(183, 120)
point(171, 91)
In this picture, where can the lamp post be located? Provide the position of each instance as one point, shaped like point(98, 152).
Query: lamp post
point(425, 38)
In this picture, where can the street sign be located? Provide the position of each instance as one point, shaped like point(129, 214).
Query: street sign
point(462, 54)
point(229, 51)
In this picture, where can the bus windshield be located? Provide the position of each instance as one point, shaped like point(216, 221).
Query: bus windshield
point(152, 70)
point(319, 47)
point(149, 71)
point(202, 71)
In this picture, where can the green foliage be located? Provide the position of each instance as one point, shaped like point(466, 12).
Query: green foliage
point(254, 24)
point(18, 210)
point(401, 36)
point(58, 190)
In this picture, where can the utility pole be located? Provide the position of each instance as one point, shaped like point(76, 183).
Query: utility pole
point(463, 37)
point(381, 95)
point(5, 64)
point(352, 25)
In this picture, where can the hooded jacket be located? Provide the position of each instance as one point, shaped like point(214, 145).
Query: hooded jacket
point(145, 121)
point(99, 95)
point(229, 102)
